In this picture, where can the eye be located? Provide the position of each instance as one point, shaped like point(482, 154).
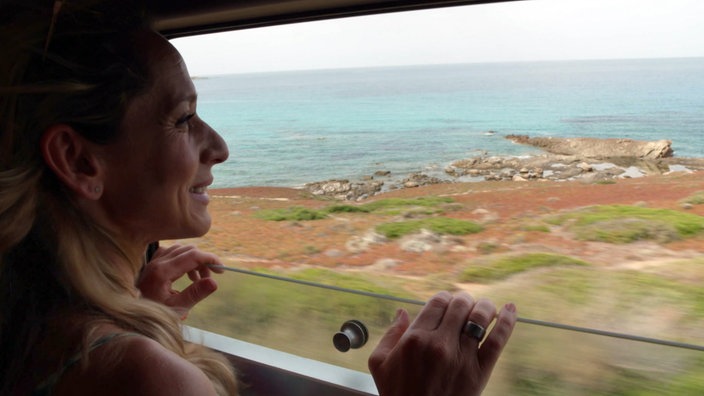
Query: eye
point(184, 120)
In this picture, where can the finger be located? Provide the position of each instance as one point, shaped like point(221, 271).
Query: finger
point(389, 340)
point(498, 337)
point(217, 267)
point(456, 314)
point(432, 313)
point(164, 250)
point(194, 276)
point(483, 313)
point(204, 270)
point(194, 293)
point(189, 258)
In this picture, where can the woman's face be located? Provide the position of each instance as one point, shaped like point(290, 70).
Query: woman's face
point(158, 170)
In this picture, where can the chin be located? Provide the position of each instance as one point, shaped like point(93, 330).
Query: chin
point(197, 228)
point(201, 229)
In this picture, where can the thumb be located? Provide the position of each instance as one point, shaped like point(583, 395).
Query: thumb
point(390, 339)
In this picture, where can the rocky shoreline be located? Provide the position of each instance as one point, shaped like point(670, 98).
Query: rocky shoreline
point(585, 159)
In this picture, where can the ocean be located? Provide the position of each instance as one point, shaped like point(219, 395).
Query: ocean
point(291, 128)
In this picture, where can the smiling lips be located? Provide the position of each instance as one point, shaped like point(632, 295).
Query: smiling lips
point(200, 193)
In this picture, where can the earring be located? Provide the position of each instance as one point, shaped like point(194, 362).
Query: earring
point(97, 189)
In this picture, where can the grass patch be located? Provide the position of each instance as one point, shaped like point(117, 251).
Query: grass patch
point(439, 225)
point(626, 224)
point(295, 213)
point(489, 247)
point(535, 227)
point(347, 209)
point(387, 206)
point(394, 204)
point(695, 199)
point(504, 267)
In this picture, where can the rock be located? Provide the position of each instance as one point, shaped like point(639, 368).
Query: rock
point(385, 263)
point(329, 187)
point(344, 189)
point(423, 241)
point(359, 244)
point(334, 253)
point(420, 179)
point(585, 167)
point(598, 148)
point(485, 216)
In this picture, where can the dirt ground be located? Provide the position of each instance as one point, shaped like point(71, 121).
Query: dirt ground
point(505, 209)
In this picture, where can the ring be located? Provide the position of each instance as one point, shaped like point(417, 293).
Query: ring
point(474, 330)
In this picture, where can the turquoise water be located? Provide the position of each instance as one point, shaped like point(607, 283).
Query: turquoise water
point(290, 128)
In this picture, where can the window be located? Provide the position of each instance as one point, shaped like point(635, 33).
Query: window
point(401, 99)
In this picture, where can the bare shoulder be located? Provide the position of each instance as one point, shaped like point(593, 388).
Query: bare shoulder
point(144, 367)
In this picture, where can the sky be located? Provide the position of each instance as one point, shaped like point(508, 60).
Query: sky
point(529, 30)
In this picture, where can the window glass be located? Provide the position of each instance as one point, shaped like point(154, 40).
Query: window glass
point(547, 153)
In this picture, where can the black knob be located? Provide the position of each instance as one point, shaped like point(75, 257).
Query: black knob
point(352, 335)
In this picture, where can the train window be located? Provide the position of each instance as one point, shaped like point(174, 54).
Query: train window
point(543, 152)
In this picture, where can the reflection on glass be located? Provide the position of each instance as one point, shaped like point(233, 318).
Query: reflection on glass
point(301, 319)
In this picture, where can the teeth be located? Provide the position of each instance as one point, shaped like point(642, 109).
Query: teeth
point(197, 190)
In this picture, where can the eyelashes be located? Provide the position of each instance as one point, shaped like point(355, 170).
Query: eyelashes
point(185, 119)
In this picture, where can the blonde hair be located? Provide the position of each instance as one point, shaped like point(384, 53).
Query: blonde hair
point(53, 256)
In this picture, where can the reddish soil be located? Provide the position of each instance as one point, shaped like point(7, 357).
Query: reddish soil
point(504, 208)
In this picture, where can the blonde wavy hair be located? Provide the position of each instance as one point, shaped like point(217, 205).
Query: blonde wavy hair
point(52, 256)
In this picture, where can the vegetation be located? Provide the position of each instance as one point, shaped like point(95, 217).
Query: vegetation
point(295, 213)
point(659, 297)
point(504, 267)
point(626, 224)
point(439, 225)
point(695, 199)
point(427, 205)
point(394, 205)
point(535, 227)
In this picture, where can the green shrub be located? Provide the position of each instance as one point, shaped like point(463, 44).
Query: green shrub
point(346, 209)
point(504, 267)
point(624, 224)
point(392, 203)
point(295, 213)
point(389, 206)
point(488, 247)
point(535, 227)
point(695, 199)
point(440, 225)
point(627, 230)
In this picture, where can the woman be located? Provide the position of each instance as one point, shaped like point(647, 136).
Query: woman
point(102, 152)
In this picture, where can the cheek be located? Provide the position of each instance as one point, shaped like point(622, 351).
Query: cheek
point(176, 163)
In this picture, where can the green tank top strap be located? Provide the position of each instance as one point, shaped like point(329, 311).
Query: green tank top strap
point(45, 388)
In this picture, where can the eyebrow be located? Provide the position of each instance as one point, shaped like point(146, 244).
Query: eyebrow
point(174, 100)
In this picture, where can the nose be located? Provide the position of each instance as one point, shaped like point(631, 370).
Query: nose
point(216, 150)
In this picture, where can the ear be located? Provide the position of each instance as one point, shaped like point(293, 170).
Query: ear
point(72, 159)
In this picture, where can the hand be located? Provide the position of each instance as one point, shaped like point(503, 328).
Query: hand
point(433, 357)
point(168, 265)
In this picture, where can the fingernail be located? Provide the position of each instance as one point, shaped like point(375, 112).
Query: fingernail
point(511, 307)
point(398, 314)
